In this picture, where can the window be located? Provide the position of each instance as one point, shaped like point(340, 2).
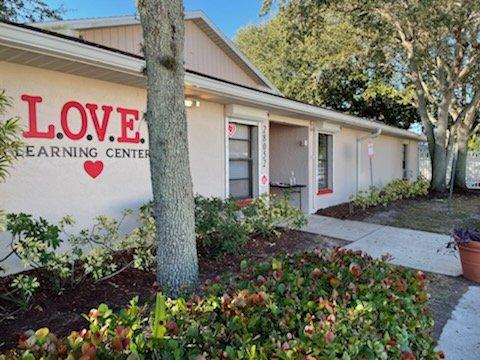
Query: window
point(404, 161)
point(324, 172)
point(241, 156)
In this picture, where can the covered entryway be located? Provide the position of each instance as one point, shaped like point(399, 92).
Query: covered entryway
point(289, 162)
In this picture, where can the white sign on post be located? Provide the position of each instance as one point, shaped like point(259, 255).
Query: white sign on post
point(370, 151)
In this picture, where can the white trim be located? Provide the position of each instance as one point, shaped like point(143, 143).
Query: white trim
point(201, 15)
point(305, 110)
point(227, 160)
point(41, 43)
point(331, 158)
point(255, 177)
point(90, 23)
point(64, 48)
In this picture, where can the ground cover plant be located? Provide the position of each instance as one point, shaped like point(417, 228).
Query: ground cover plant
point(62, 311)
point(393, 191)
point(328, 304)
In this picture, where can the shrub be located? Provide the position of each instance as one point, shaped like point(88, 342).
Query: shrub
point(330, 304)
point(266, 214)
point(219, 226)
point(37, 244)
point(395, 190)
point(223, 226)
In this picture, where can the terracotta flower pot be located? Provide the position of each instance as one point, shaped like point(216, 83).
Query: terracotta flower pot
point(470, 258)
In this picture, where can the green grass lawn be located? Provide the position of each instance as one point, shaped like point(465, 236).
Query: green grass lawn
point(431, 214)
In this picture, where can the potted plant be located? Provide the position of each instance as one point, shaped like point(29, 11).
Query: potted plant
point(467, 241)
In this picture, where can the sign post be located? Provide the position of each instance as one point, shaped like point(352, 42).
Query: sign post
point(370, 153)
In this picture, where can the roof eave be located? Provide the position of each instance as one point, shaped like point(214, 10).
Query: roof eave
point(39, 42)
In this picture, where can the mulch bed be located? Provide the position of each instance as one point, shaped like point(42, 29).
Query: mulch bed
point(347, 211)
point(61, 312)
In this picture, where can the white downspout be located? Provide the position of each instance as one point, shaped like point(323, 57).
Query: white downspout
point(359, 141)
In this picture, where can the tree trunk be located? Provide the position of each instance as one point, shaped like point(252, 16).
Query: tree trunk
point(461, 168)
point(163, 31)
point(439, 169)
point(463, 134)
point(439, 161)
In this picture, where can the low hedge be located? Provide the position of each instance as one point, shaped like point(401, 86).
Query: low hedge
point(332, 304)
point(397, 189)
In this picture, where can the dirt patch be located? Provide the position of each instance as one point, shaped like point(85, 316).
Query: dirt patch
point(61, 312)
point(432, 213)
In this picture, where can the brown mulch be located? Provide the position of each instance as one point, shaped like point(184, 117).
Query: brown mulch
point(346, 211)
point(62, 312)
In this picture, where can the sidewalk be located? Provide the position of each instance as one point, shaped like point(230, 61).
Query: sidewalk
point(460, 339)
point(411, 248)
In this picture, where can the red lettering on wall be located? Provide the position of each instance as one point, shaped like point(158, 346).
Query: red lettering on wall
point(32, 120)
point(100, 128)
point(127, 125)
point(64, 120)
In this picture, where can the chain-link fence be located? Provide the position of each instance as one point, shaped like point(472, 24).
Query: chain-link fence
point(473, 166)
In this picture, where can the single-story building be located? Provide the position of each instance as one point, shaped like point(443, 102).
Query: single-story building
point(78, 87)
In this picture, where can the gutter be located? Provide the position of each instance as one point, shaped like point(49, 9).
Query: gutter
point(280, 103)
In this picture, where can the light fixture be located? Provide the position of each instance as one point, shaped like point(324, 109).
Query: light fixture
point(190, 102)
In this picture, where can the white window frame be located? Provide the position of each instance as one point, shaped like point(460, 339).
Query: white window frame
point(332, 175)
point(256, 168)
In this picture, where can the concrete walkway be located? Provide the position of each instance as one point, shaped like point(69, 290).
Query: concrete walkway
point(460, 339)
point(411, 248)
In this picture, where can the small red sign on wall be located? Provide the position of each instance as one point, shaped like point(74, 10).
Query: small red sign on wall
point(232, 129)
point(370, 150)
point(264, 180)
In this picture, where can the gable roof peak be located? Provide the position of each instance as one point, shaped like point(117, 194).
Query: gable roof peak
point(197, 16)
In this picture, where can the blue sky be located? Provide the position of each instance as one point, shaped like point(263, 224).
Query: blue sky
point(228, 15)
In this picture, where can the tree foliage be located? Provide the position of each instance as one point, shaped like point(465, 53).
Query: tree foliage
point(436, 48)
point(323, 59)
point(10, 142)
point(28, 11)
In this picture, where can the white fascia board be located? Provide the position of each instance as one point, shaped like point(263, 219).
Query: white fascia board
point(92, 23)
point(100, 22)
point(276, 102)
point(201, 15)
point(48, 44)
point(64, 48)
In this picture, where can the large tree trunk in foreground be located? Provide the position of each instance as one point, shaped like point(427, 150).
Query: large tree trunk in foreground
point(163, 31)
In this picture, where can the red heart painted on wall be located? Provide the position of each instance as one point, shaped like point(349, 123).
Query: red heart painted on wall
point(93, 168)
point(232, 129)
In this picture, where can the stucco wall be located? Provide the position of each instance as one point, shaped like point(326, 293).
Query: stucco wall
point(56, 186)
point(386, 163)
